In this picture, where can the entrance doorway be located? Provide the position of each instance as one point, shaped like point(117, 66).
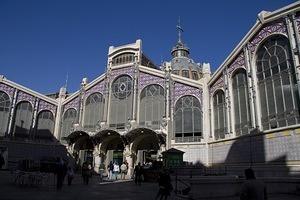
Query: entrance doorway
point(118, 157)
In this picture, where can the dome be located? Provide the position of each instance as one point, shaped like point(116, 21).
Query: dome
point(181, 64)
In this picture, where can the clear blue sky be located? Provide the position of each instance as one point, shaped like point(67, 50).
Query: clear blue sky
point(43, 40)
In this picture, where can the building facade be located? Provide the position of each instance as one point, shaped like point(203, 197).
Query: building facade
point(245, 113)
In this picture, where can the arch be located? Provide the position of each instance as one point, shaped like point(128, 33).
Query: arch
point(260, 44)
point(45, 125)
point(121, 102)
point(123, 58)
point(68, 120)
point(145, 144)
point(112, 145)
point(4, 112)
point(242, 119)
point(220, 117)
point(94, 110)
point(152, 106)
point(279, 100)
point(188, 119)
point(23, 119)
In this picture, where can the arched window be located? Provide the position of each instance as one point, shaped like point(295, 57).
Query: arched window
point(67, 122)
point(152, 107)
point(123, 59)
point(185, 73)
point(121, 102)
point(220, 119)
point(278, 92)
point(242, 120)
point(93, 114)
point(45, 125)
point(4, 112)
point(188, 120)
point(175, 72)
point(195, 75)
point(23, 119)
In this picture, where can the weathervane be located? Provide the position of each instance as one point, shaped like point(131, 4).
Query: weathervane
point(180, 30)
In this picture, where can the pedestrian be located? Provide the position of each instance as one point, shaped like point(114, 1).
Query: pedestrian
point(101, 171)
point(2, 161)
point(61, 170)
point(165, 185)
point(138, 172)
point(116, 170)
point(252, 188)
point(123, 170)
point(70, 174)
point(85, 172)
point(110, 169)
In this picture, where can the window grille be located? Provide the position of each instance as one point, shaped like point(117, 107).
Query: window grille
point(188, 119)
point(23, 119)
point(277, 86)
point(4, 112)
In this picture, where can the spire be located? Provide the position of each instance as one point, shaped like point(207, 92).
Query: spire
point(180, 50)
point(180, 30)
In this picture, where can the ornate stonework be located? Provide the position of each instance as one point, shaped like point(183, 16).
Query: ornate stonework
point(9, 90)
point(239, 62)
point(147, 79)
point(219, 84)
point(181, 90)
point(99, 87)
point(277, 27)
point(43, 105)
point(298, 22)
point(72, 104)
point(22, 96)
point(117, 72)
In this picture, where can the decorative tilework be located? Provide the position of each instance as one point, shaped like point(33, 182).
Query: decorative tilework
point(181, 90)
point(239, 62)
point(99, 87)
point(43, 105)
point(117, 72)
point(9, 90)
point(278, 27)
point(22, 96)
point(147, 79)
point(72, 104)
point(217, 85)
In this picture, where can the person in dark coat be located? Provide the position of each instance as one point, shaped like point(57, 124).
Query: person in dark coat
point(2, 161)
point(61, 171)
point(138, 172)
point(252, 188)
point(165, 185)
point(86, 173)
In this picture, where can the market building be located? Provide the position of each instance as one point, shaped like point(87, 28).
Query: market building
point(245, 113)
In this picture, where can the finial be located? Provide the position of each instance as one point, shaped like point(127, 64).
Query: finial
point(179, 30)
point(67, 77)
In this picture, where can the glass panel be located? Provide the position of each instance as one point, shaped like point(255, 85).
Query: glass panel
point(277, 97)
point(152, 105)
point(188, 118)
point(93, 113)
point(45, 125)
point(68, 121)
point(4, 112)
point(23, 119)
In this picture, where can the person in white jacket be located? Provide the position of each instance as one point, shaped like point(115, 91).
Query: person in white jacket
point(116, 170)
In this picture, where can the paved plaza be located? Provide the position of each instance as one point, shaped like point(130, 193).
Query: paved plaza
point(123, 190)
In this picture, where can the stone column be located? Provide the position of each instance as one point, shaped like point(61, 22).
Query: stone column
point(250, 88)
point(34, 119)
point(59, 112)
point(294, 39)
point(128, 157)
point(11, 114)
